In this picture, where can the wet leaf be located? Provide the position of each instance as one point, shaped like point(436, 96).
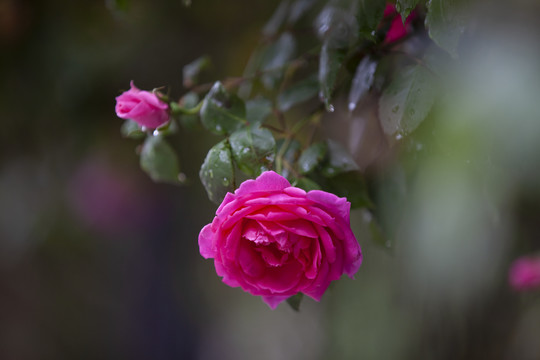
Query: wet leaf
point(298, 9)
point(446, 21)
point(351, 185)
point(159, 160)
point(362, 81)
point(257, 110)
point(290, 154)
point(404, 7)
point(339, 160)
point(216, 172)
point(295, 301)
point(131, 129)
point(191, 71)
point(406, 102)
point(275, 58)
point(253, 150)
point(370, 14)
point(299, 92)
point(329, 64)
point(311, 157)
point(336, 24)
point(221, 112)
point(278, 18)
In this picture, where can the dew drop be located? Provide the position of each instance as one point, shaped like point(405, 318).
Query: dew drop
point(352, 106)
point(373, 33)
point(225, 182)
point(245, 150)
point(218, 127)
point(155, 133)
point(182, 177)
point(144, 128)
point(399, 137)
point(330, 108)
point(411, 112)
point(395, 109)
point(211, 173)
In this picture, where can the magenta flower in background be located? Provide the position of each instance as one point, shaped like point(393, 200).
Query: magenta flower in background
point(274, 240)
point(143, 107)
point(524, 273)
point(397, 29)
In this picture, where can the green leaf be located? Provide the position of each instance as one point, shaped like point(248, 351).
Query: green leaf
point(370, 14)
point(277, 19)
point(131, 129)
point(191, 71)
point(257, 110)
point(311, 157)
point(299, 92)
point(406, 102)
point(362, 81)
point(217, 173)
point(189, 101)
point(275, 58)
point(306, 184)
point(298, 9)
point(446, 21)
point(336, 24)
point(351, 185)
point(222, 113)
point(339, 160)
point(404, 7)
point(295, 301)
point(290, 153)
point(159, 160)
point(329, 64)
point(253, 149)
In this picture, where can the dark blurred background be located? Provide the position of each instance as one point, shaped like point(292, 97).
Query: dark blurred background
point(99, 262)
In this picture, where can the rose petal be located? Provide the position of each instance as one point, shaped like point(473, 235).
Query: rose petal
point(274, 300)
point(205, 242)
point(266, 182)
point(300, 227)
point(336, 205)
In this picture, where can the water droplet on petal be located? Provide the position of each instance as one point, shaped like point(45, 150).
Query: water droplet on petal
point(155, 133)
point(352, 106)
point(399, 137)
point(144, 128)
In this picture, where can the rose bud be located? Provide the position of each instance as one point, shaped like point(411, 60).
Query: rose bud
point(524, 274)
point(397, 29)
point(143, 107)
point(274, 240)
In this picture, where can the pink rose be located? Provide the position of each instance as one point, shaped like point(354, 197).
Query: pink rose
point(143, 107)
point(275, 240)
point(397, 29)
point(524, 273)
